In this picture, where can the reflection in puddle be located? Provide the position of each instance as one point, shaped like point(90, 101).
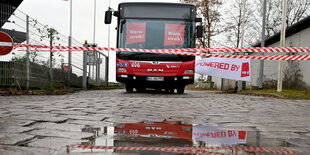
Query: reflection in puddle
point(216, 135)
point(176, 137)
point(156, 129)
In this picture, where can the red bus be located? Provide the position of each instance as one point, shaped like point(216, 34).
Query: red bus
point(155, 26)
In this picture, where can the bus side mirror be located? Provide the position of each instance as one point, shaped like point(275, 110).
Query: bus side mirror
point(199, 31)
point(108, 17)
point(198, 20)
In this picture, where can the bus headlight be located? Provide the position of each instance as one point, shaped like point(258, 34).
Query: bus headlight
point(121, 70)
point(188, 77)
point(188, 71)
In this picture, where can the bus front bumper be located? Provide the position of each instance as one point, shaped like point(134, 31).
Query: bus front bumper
point(144, 81)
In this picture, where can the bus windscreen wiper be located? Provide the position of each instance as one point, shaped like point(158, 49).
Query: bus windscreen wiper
point(134, 54)
point(122, 24)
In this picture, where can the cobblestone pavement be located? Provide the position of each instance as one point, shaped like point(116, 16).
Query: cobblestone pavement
point(45, 124)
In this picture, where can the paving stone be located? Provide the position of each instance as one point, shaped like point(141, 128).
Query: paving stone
point(18, 150)
point(42, 118)
point(299, 142)
point(82, 117)
point(273, 117)
point(90, 123)
point(280, 128)
point(12, 138)
point(60, 133)
point(14, 129)
point(54, 143)
point(68, 112)
point(55, 126)
point(6, 121)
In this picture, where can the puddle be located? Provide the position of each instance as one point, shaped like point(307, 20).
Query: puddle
point(181, 138)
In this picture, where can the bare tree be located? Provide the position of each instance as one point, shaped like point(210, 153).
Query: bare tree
point(233, 23)
point(296, 11)
point(209, 11)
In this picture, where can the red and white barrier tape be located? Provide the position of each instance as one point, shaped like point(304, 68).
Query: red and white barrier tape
point(180, 52)
point(267, 57)
point(187, 149)
point(250, 50)
point(245, 49)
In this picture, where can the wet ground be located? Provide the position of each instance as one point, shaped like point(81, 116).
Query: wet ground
point(46, 124)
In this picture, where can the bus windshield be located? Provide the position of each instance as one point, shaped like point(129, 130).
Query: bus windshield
point(154, 34)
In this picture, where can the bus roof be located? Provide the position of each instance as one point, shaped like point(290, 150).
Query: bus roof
point(136, 10)
point(155, 3)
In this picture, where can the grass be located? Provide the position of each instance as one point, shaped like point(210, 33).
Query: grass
point(110, 86)
point(47, 91)
point(53, 90)
point(286, 93)
point(193, 87)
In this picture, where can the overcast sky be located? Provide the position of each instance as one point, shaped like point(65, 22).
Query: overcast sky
point(56, 13)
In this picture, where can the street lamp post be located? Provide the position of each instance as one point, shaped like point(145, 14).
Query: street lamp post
point(240, 83)
point(70, 44)
point(261, 69)
point(282, 44)
point(107, 58)
point(94, 39)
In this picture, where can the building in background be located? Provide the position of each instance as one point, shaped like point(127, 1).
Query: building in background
point(296, 73)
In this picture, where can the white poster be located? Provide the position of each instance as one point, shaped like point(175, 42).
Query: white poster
point(234, 69)
point(215, 135)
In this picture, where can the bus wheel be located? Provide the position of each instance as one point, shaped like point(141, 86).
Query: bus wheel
point(140, 89)
point(129, 88)
point(180, 90)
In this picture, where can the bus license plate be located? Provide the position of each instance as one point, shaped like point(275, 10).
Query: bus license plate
point(153, 78)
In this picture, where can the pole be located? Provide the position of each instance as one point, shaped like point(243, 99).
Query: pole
point(51, 56)
point(243, 22)
point(70, 18)
point(69, 61)
point(261, 65)
point(70, 44)
point(257, 138)
point(282, 44)
point(84, 68)
point(93, 64)
point(107, 58)
point(242, 37)
point(98, 69)
point(94, 39)
point(106, 72)
point(89, 69)
point(27, 59)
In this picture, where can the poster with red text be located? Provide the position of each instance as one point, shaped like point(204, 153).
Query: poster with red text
point(135, 32)
point(234, 69)
point(216, 135)
point(174, 34)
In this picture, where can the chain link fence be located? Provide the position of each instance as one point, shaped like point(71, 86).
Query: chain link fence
point(39, 68)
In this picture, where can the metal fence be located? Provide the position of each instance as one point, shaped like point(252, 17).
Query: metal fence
point(37, 68)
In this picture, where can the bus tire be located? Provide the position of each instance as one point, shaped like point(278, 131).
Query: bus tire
point(129, 88)
point(180, 90)
point(140, 89)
